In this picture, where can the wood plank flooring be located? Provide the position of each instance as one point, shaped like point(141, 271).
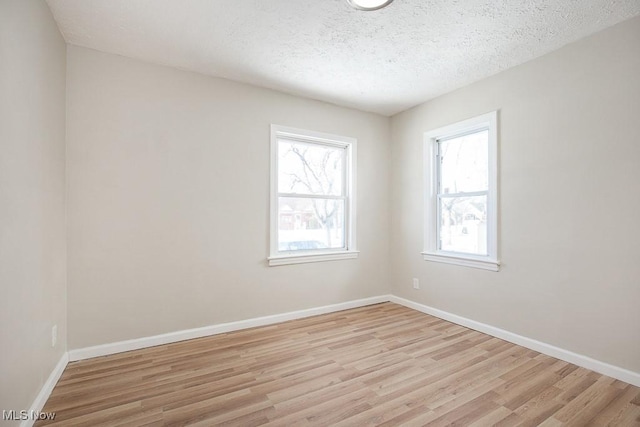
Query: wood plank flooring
point(383, 365)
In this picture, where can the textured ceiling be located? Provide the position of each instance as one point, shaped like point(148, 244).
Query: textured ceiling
point(383, 61)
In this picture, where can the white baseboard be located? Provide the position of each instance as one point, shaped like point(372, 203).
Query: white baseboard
point(550, 350)
point(118, 347)
point(221, 328)
point(46, 389)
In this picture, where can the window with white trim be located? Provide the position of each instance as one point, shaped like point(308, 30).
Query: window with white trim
point(461, 193)
point(312, 196)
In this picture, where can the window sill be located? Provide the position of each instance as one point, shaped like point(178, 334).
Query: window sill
point(484, 264)
point(311, 257)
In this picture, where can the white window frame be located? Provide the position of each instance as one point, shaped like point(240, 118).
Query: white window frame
point(349, 251)
point(488, 121)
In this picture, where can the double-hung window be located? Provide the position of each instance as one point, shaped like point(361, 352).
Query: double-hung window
point(461, 193)
point(312, 196)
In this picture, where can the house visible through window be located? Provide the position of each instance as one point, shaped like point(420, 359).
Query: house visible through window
point(461, 193)
point(312, 200)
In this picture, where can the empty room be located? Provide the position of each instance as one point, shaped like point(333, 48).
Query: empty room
point(335, 212)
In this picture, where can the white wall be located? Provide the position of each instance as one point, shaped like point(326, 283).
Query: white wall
point(569, 200)
point(32, 199)
point(169, 201)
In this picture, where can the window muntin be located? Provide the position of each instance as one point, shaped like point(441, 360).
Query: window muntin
point(312, 206)
point(461, 193)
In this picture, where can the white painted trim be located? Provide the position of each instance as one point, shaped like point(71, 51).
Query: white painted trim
point(47, 388)
point(491, 265)
point(135, 344)
point(312, 257)
point(430, 192)
point(221, 328)
point(548, 349)
point(350, 182)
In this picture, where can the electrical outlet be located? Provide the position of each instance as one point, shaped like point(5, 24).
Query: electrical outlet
point(416, 284)
point(54, 335)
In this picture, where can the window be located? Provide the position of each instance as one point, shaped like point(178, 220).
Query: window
point(312, 197)
point(461, 193)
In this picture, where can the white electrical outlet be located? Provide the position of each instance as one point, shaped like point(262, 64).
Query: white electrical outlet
point(54, 335)
point(416, 284)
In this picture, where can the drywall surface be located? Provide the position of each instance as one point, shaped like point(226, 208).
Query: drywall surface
point(569, 197)
point(168, 176)
point(32, 199)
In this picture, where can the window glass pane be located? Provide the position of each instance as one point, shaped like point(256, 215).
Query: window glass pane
point(463, 224)
point(310, 224)
point(464, 163)
point(310, 168)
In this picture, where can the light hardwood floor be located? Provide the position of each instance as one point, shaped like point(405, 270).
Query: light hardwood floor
point(378, 365)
